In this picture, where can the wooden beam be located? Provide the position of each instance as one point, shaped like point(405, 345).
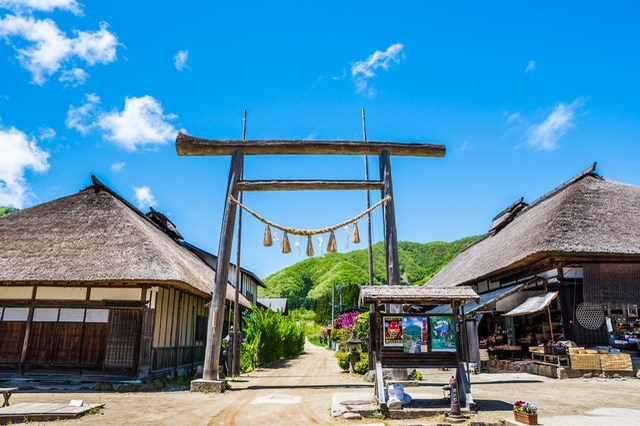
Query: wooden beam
point(389, 222)
point(190, 145)
point(216, 310)
point(304, 185)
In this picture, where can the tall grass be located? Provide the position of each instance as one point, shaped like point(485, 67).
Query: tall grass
point(269, 336)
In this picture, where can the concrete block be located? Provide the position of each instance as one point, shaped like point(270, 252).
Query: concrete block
point(208, 386)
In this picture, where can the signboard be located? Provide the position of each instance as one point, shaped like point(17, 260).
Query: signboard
point(414, 335)
point(443, 333)
point(392, 331)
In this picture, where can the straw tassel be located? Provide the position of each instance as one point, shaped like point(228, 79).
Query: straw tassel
point(286, 247)
point(355, 238)
point(268, 240)
point(332, 246)
point(309, 246)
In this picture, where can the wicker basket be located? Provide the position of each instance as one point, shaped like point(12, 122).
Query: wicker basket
point(616, 362)
point(576, 350)
point(585, 361)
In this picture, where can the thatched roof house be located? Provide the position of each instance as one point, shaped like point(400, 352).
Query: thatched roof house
point(587, 218)
point(581, 240)
point(88, 282)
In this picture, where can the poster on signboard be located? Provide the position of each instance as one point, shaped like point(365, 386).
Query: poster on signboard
point(443, 333)
point(392, 331)
point(414, 335)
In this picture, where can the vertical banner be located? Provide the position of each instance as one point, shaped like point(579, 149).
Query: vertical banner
point(414, 335)
point(443, 333)
point(392, 331)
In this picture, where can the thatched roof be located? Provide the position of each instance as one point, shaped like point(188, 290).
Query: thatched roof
point(587, 217)
point(96, 236)
point(415, 294)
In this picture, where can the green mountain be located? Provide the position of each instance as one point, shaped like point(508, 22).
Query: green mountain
point(308, 282)
point(7, 210)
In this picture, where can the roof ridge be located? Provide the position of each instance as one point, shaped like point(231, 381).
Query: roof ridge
point(589, 171)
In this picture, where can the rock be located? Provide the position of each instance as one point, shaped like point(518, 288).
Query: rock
point(369, 376)
point(587, 375)
point(412, 374)
point(394, 404)
point(387, 373)
point(638, 374)
point(351, 416)
point(616, 376)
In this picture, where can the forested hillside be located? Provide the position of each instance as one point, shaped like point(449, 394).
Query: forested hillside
point(308, 282)
point(7, 210)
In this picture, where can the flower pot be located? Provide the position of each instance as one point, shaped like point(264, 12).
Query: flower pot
point(526, 418)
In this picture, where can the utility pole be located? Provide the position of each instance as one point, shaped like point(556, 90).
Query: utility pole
point(235, 342)
point(333, 305)
point(340, 296)
point(366, 177)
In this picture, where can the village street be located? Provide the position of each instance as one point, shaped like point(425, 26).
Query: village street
point(299, 391)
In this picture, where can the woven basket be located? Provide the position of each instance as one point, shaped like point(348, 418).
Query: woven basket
point(585, 361)
point(616, 362)
point(576, 350)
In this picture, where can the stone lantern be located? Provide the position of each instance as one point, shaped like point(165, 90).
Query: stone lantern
point(353, 344)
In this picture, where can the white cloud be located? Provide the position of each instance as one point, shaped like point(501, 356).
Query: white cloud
point(144, 197)
point(96, 46)
point(466, 145)
point(28, 6)
point(544, 136)
point(513, 117)
point(83, 118)
point(118, 167)
point(74, 77)
point(531, 66)
point(46, 134)
point(142, 122)
point(180, 59)
point(43, 48)
point(18, 153)
point(362, 71)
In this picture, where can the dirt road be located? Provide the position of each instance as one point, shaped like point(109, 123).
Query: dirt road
point(295, 392)
point(298, 392)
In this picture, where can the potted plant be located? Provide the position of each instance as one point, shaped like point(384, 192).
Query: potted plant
point(525, 412)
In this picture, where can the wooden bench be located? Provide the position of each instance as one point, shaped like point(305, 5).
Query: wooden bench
point(6, 393)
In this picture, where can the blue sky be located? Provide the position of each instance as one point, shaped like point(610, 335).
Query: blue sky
point(523, 94)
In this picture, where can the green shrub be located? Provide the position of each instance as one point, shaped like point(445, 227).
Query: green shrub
point(340, 335)
point(343, 360)
point(269, 336)
point(362, 366)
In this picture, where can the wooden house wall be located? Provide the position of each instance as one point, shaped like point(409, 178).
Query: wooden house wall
point(104, 329)
point(177, 337)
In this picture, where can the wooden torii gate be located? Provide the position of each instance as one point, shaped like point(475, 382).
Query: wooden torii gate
point(192, 146)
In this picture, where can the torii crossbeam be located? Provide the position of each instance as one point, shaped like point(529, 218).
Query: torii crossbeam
point(192, 146)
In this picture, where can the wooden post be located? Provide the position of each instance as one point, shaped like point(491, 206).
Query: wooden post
point(27, 331)
point(389, 221)
point(216, 310)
